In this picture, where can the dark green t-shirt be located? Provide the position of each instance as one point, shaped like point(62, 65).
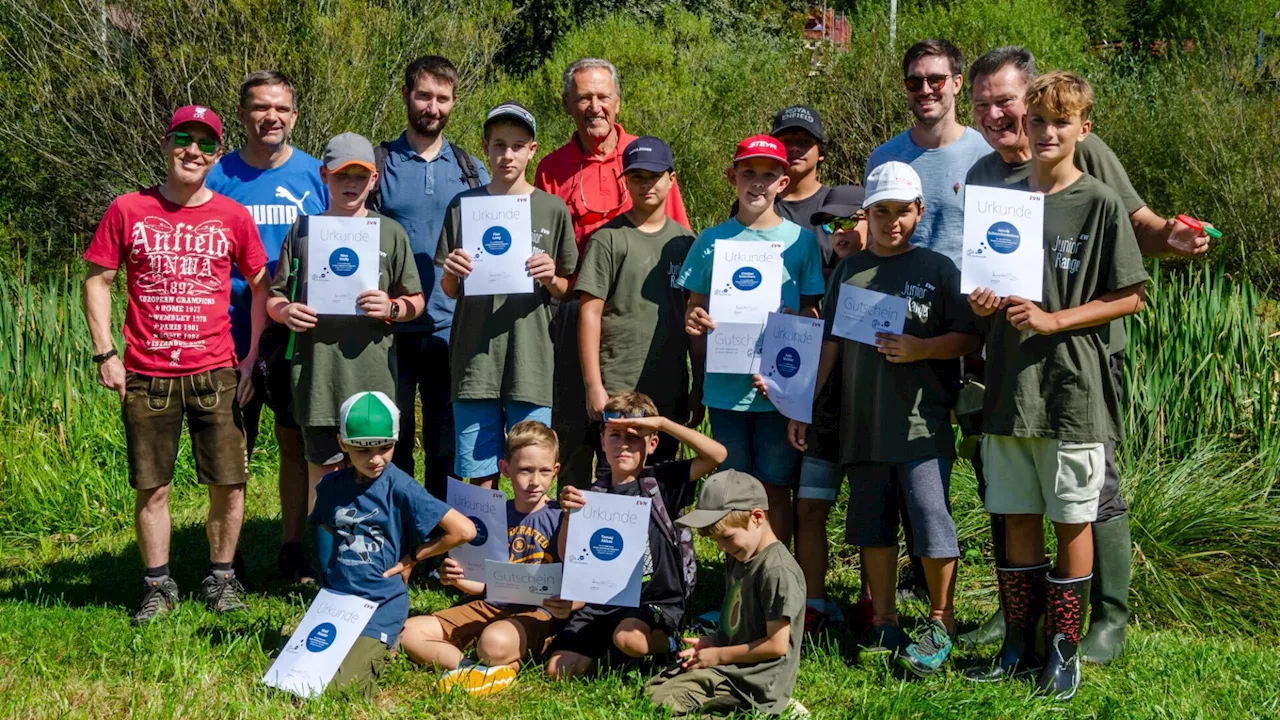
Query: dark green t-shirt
point(643, 345)
point(1093, 157)
point(766, 588)
point(1059, 386)
point(500, 346)
point(891, 412)
point(344, 354)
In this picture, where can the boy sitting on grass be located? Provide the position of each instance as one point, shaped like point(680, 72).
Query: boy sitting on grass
point(1051, 401)
point(630, 437)
point(502, 634)
point(751, 661)
point(373, 511)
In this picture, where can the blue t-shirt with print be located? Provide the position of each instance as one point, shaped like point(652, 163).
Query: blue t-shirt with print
point(275, 198)
point(374, 524)
point(531, 537)
point(801, 275)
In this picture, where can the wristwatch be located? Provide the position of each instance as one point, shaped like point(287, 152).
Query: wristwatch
point(395, 309)
point(103, 357)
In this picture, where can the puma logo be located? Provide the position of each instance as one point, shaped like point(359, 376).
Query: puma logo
point(284, 193)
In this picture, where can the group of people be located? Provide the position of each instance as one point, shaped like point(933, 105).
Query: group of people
point(595, 377)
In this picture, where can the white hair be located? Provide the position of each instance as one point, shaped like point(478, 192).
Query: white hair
point(578, 66)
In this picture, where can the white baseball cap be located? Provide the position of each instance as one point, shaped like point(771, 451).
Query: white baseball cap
point(895, 181)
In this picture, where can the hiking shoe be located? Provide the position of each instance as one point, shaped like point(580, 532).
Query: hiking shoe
point(478, 679)
point(222, 595)
point(159, 598)
point(924, 656)
point(294, 566)
point(882, 643)
point(815, 621)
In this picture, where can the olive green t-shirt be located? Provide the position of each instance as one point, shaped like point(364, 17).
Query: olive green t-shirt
point(766, 588)
point(1059, 386)
point(1093, 157)
point(891, 412)
point(344, 354)
point(500, 346)
point(643, 345)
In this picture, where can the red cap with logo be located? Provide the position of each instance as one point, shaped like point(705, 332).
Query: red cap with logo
point(196, 114)
point(764, 146)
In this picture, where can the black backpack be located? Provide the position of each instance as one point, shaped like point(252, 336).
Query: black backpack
point(380, 153)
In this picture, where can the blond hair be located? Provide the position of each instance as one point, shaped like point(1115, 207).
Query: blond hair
point(1062, 93)
point(531, 433)
point(734, 519)
point(629, 402)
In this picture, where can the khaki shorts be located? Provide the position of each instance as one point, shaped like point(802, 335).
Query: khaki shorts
point(463, 624)
point(1043, 476)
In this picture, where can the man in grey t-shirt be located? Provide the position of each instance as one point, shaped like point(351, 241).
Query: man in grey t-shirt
point(937, 146)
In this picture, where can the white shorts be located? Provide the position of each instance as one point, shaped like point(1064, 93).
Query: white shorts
point(1043, 476)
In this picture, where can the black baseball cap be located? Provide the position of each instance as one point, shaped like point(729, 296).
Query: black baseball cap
point(647, 153)
point(799, 116)
point(842, 202)
point(512, 110)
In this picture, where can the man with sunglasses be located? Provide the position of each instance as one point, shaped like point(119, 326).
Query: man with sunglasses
point(276, 183)
point(178, 242)
point(586, 173)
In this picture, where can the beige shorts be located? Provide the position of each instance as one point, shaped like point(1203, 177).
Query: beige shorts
point(1043, 476)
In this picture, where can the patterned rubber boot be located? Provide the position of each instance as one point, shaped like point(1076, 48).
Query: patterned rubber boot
point(1065, 605)
point(1022, 595)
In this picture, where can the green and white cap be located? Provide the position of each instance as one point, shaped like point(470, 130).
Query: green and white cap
point(369, 419)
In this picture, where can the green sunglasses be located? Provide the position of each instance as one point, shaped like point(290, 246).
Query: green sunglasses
point(184, 139)
point(841, 224)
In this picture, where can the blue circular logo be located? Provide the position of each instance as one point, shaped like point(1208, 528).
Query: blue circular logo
point(747, 278)
point(606, 544)
point(321, 637)
point(496, 240)
point(482, 532)
point(344, 262)
point(788, 362)
point(1003, 237)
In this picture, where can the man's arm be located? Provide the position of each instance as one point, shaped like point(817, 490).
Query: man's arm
point(589, 314)
point(97, 310)
point(1158, 237)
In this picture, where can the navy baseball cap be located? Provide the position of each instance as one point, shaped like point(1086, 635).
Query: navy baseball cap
point(647, 153)
point(799, 116)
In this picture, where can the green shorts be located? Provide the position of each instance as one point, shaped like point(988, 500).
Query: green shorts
point(361, 667)
point(694, 693)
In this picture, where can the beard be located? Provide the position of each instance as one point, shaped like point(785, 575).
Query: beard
point(426, 125)
point(939, 111)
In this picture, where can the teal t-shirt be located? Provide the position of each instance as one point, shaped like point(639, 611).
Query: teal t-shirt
point(801, 275)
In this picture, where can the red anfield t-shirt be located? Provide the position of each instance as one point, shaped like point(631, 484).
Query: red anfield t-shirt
point(178, 270)
point(593, 187)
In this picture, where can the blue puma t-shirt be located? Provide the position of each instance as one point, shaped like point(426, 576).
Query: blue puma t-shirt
point(275, 198)
point(374, 524)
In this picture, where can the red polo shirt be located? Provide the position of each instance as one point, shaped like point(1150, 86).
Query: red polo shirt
point(593, 187)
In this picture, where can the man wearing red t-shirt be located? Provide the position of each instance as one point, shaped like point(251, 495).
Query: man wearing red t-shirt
point(586, 173)
point(177, 242)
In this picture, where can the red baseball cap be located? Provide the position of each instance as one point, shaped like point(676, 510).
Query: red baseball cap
point(761, 146)
point(197, 114)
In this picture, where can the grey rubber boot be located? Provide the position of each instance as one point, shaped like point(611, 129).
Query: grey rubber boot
point(1109, 609)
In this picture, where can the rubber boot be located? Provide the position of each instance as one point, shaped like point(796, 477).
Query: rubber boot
point(1065, 604)
point(991, 631)
point(1022, 594)
point(1109, 606)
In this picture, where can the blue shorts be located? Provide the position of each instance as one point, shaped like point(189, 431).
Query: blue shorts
point(757, 444)
point(819, 479)
point(480, 428)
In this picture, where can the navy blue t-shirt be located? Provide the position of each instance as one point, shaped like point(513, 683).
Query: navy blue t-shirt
point(374, 525)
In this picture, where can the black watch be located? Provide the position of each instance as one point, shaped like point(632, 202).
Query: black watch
point(395, 310)
point(103, 357)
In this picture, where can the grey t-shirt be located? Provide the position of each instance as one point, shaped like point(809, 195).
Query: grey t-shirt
point(942, 172)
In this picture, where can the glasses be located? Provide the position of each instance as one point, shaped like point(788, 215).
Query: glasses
point(632, 414)
point(582, 195)
point(915, 83)
point(838, 224)
point(184, 139)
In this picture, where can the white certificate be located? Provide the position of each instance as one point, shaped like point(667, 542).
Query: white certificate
point(861, 313)
point(789, 363)
point(521, 583)
point(604, 550)
point(320, 644)
point(1003, 242)
point(746, 281)
point(342, 262)
point(734, 348)
point(488, 510)
point(497, 232)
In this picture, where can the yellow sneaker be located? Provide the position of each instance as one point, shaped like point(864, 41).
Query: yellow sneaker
point(478, 679)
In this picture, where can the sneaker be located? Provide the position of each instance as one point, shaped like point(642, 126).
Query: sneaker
point(924, 656)
point(882, 643)
point(294, 566)
point(795, 710)
point(815, 621)
point(478, 679)
point(222, 595)
point(159, 598)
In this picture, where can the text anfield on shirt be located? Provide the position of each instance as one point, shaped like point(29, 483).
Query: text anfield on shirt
point(178, 272)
